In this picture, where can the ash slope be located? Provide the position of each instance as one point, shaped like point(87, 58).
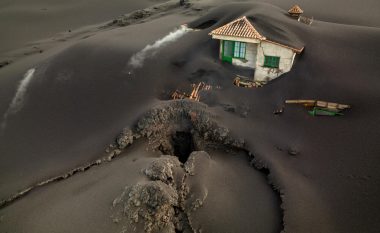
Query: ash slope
point(24, 21)
point(330, 186)
point(45, 18)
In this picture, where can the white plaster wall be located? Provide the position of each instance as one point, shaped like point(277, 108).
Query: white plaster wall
point(234, 38)
point(269, 49)
point(250, 57)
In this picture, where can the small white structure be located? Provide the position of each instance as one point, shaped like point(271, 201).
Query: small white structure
point(242, 45)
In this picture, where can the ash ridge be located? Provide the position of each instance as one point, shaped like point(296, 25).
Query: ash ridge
point(161, 123)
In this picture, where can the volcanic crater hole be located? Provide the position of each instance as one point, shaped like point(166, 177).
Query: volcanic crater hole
point(183, 145)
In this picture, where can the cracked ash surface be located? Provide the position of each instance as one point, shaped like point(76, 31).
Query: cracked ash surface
point(174, 128)
point(162, 204)
point(165, 125)
point(178, 188)
point(183, 131)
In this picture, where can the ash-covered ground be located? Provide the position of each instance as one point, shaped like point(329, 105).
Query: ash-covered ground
point(91, 142)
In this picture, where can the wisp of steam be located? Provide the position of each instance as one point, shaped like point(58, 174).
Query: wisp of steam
point(137, 60)
point(18, 99)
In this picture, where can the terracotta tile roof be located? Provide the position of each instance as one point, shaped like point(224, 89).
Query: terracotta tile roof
point(239, 28)
point(295, 10)
point(242, 27)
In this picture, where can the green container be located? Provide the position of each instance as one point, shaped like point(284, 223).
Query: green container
point(324, 112)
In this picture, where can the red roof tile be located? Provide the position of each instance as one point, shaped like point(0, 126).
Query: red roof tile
point(243, 28)
point(239, 28)
point(295, 10)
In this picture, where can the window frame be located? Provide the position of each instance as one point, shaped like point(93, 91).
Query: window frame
point(240, 49)
point(271, 61)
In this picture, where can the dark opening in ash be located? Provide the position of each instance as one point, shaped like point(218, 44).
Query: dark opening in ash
point(183, 145)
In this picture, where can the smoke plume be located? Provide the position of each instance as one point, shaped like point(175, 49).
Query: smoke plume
point(137, 60)
point(18, 99)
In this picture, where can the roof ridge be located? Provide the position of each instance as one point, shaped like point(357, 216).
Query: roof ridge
point(297, 50)
point(295, 9)
point(247, 30)
point(254, 29)
point(232, 22)
point(253, 34)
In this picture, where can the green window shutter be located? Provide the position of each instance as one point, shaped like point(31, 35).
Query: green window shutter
point(276, 62)
point(267, 61)
point(271, 61)
point(228, 49)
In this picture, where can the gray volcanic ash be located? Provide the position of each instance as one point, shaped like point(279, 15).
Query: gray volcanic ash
point(251, 171)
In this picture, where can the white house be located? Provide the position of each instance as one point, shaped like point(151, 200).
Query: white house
point(242, 45)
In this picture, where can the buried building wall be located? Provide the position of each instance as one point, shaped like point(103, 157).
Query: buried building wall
point(251, 50)
point(250, 57)
point(269, 49)
point(255, 56)
point(250, 54)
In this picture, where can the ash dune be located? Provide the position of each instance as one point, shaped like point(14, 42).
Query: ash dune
point(293, 173)
point(137, 60)
point(26, 21)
